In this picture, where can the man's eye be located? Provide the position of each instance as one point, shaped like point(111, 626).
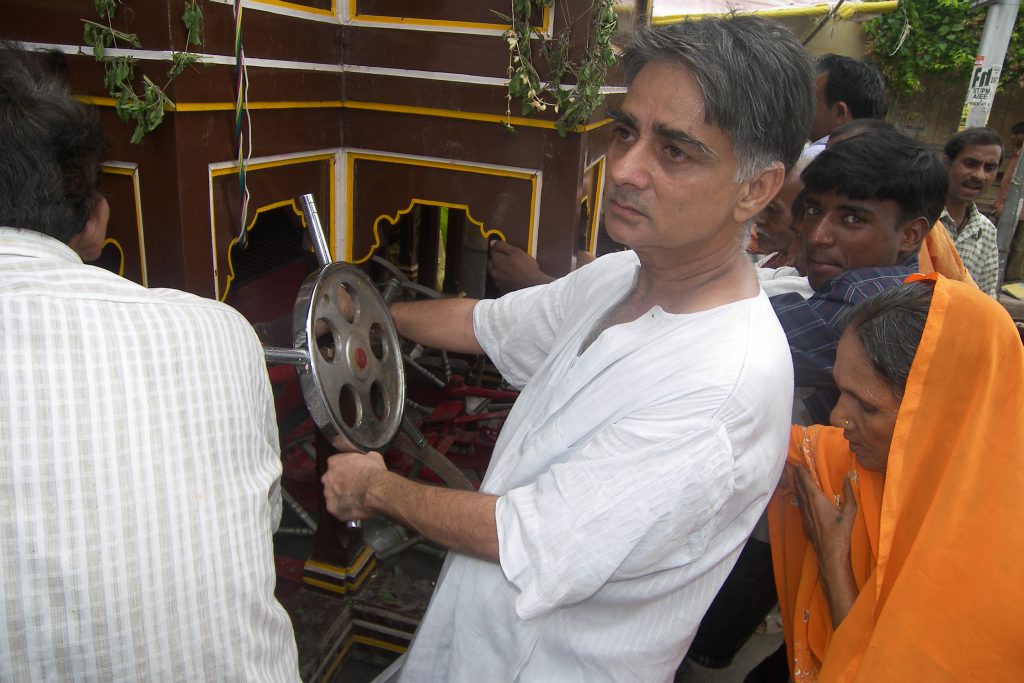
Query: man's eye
point(622, 133)
point(673, 152)
point(852, 219)
point(812, 211)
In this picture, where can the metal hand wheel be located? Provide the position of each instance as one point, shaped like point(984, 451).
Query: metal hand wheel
point(346, 352)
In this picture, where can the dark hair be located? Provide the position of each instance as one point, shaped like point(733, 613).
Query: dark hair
point(856, 83)
point(883, 164)
point(52, 146)
point(1017, 128)
point(856, 127)
point(972, 136)
point(756, 79)
point(889, 327)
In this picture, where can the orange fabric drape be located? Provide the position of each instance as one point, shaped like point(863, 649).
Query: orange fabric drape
point(938, 254)
point(938, 546)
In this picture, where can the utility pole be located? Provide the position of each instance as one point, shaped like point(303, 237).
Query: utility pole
point(989, 60)
point(981, 91)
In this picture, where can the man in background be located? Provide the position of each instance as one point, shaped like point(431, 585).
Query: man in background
point(973, 157)
point(140, 477)
point(845, 89)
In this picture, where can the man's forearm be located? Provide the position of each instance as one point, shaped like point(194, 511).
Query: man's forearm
point(460, 520)
point(442, 324)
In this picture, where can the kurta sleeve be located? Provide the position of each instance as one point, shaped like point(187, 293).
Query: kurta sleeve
point(626, 505)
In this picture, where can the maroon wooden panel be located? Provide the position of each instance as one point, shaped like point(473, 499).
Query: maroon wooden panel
point(267, 186)
point(385, 188)
point(123, 228)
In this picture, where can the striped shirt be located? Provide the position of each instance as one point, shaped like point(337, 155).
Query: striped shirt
point(139, 481)
point(976, 244)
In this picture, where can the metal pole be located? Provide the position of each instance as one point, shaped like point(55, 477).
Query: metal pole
point(316, 230)
point(1007, 221)
point(988, 63)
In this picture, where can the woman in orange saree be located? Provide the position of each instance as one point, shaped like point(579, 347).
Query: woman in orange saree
point(898, 535)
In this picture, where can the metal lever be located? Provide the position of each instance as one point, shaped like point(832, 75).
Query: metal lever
point(316, 230)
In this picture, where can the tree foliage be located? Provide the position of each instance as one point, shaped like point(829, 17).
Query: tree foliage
point(935, 36)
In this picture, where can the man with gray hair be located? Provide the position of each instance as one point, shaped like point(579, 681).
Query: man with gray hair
point(656, 382)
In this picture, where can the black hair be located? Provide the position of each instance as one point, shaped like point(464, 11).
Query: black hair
point(856, 83)
point(883, 164)
point(765, 111)
point(52, 146)
point(1017, 128)
point(858, 126)
point(972, 136)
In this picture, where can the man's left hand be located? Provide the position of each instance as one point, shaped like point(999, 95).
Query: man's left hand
point(347, 481)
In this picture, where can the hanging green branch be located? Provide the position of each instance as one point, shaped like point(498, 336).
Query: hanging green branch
point(939, 37)
point(538, 91)
point(145, 110)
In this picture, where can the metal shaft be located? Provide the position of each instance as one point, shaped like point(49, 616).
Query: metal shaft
point(276, 355)
point(316, 230)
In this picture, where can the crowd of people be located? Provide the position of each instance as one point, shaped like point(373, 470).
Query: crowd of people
point(793, 386)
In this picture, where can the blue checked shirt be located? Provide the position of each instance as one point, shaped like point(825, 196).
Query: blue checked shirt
point(813, 327)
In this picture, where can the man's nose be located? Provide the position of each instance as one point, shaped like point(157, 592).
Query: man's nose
point(819, 232)
point(628, 166)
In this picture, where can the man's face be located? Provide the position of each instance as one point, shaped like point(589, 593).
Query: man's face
point(972, 171)
point(774, 223)
point(671, 175)
point(1017, 139)
point(841, 234)
point(824, 120)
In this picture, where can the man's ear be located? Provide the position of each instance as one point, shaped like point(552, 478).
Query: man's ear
point(840, 114)
point(89, 243)
point(758, 191)
point(912, 234)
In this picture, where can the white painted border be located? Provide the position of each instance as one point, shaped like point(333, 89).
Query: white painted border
point(257, 62)
point(258, 6)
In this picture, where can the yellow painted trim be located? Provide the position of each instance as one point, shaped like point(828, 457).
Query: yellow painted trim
point(233, 170)
point(337, 660)
point(189, 107)
point(380, 644)
point(120, 249)
point(284, 104)
point(354, 15)
point(462, 168)
point(251, 168)
point(333, 12)
point(494, 232)
point(598, 167)
point(248, 228)
point(345, 585)
point(469, 116)
point(844, 12)
point(133, 173)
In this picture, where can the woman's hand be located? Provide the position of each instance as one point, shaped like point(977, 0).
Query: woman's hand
point(828, 524)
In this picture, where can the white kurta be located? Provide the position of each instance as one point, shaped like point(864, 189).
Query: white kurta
point(629, 477)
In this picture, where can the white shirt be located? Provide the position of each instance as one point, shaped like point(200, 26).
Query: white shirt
point(629, 477)
point(775, 281)
point(139, 481)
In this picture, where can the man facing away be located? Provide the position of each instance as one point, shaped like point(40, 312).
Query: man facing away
point(654, 410)
point(844, 89)
point(973, 157)
point(1015, 258)
point(139, 483)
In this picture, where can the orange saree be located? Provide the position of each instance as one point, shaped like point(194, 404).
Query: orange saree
point(937, 550)
point(938, 255)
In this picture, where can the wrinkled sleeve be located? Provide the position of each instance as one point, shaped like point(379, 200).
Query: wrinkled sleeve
point(517, 330)
point(639, 497)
